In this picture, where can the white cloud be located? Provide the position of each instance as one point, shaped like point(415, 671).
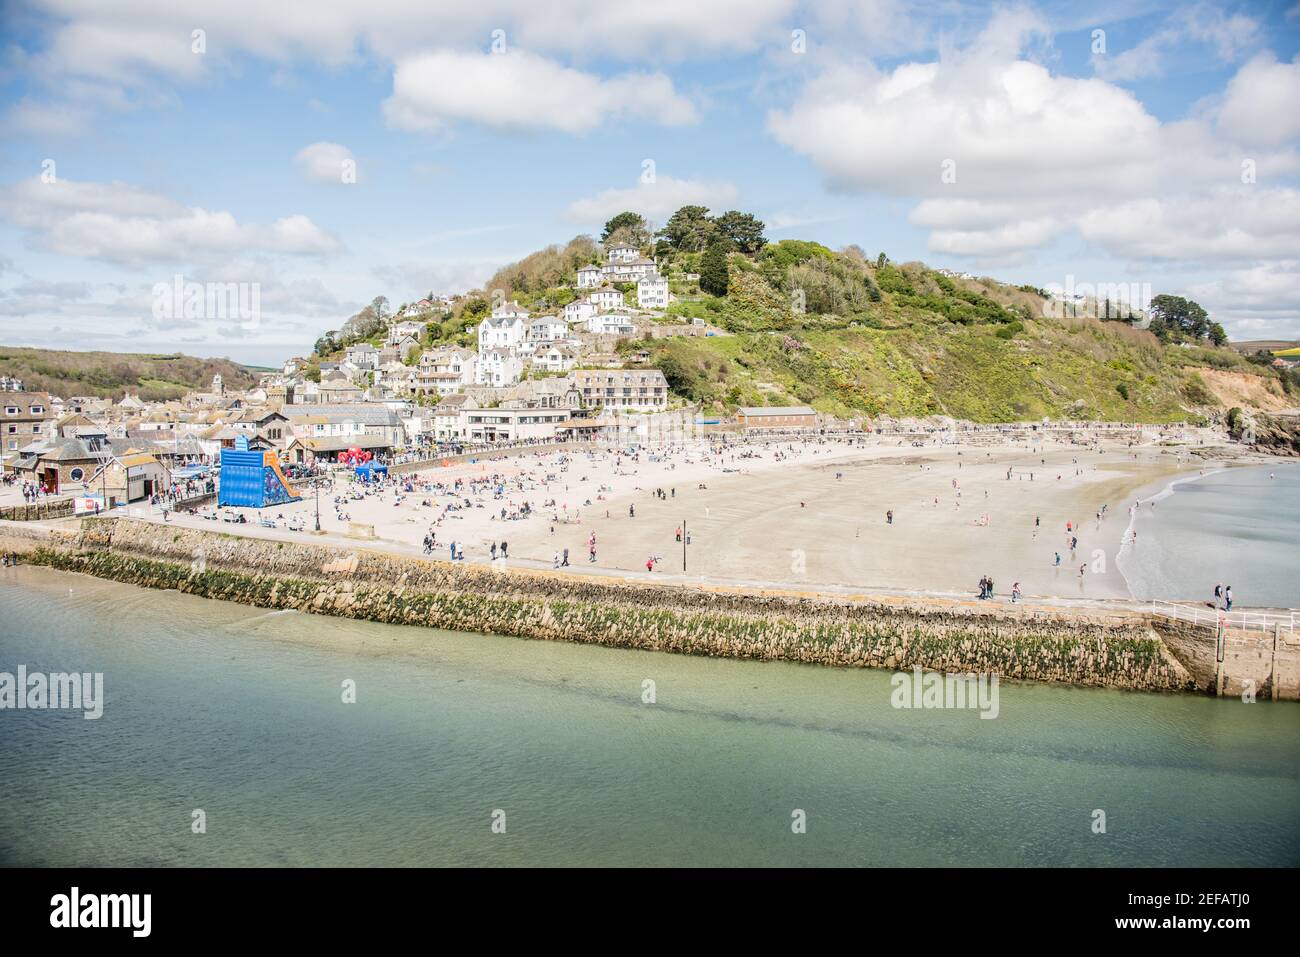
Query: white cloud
point(1254, 302)
point(412, 280)
point(1034, 155)
point(1262, 103)
point(120, 223)
point(656, 201)
point(327, 163)
point(1187, 32)
point(1003, 125)
point(995, 241)
point(1243, 223)
point(128, 42)
point(524, 91)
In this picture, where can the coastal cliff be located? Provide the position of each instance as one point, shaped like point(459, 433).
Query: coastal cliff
point(1119, 651)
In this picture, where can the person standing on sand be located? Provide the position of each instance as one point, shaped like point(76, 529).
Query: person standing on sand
point(1218, 593)
point(504, 553)
point(1227, 598)
point(1015, 592)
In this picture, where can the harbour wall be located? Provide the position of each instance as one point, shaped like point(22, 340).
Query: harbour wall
point(1110, 650)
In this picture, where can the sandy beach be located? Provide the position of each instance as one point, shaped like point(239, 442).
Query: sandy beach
point(804, 514)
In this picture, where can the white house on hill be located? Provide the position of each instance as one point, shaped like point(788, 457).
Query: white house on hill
point(607, 297)
point(500, 332)
point(498, 367)
point(611, 323)
point(580, 310)
point(652, 292)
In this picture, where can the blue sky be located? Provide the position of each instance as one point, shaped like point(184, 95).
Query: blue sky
point(481, 131)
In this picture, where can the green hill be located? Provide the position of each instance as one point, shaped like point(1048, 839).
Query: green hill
point(847, 334)
point(112, 374)
point(919, 343)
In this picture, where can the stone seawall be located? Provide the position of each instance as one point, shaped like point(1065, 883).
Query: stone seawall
point(1098, 650)
point(38, 511)
point(1258, 663)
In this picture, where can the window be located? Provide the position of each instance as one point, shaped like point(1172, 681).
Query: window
point(76, 475)
point(13, 429)
point(38, 410)
point(36, 430)
point(11, 410)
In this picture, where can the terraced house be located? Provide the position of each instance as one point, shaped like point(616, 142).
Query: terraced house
point(638, 390)
point(27, 417)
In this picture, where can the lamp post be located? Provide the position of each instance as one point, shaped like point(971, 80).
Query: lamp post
point(316, 483)
point(683, 546)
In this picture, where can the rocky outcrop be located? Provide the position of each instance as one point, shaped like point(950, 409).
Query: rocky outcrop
point(1279, 434)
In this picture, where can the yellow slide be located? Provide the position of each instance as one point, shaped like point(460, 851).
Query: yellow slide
point(272, 461)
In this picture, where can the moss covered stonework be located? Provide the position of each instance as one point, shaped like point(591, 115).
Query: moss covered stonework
point(1116, 651)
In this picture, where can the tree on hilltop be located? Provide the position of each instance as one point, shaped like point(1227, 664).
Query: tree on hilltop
point(714, 278)
point(626, 227)
point(1174, 317)
point(690, 229)
point(744, 230)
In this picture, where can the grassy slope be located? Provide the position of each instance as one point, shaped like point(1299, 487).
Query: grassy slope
point(903, 357)
point(112, 374)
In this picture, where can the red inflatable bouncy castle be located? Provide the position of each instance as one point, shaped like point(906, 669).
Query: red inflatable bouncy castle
point(355, 456)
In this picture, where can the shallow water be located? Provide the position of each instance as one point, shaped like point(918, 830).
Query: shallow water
point(238, 711)
point(1237, 527)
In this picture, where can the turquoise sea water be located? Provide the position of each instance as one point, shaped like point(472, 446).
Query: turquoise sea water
point(238, 711)
point(1238, 527)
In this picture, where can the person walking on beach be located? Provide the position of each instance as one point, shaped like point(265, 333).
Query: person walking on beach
point(1057, 563)
point(889, 517)
point(1015, 592)
point(504, 551)
point(1227, 598)
point(564, 562)
point(494, 551)
point(1218, 593)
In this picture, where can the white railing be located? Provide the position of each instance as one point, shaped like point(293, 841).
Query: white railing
point(1239, 620)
